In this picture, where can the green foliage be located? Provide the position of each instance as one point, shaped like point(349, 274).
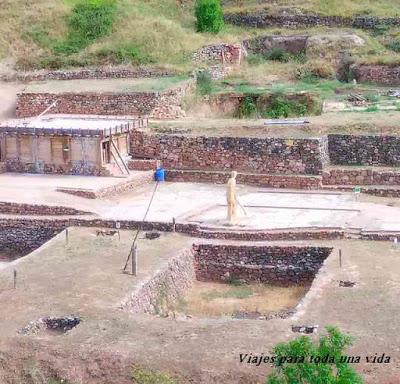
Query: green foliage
point(281, 107)
point(381, 29)
point(333, 345)
point(372, 108)
point(277, 54)
point(236, 292)
point(123, 54)
point(204, 82)
point(144, 376)
point(394, 45)
point(89, 20)
point(209, 16)
point(247, 108)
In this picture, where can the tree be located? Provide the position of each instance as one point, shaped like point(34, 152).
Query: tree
point(209, 15)
point(301, 361)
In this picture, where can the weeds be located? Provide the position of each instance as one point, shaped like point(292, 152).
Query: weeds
point(144, 376)
point(204, 82)
point(247, 108)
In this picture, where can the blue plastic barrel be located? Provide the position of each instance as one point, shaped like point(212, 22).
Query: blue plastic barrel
point(160, 174)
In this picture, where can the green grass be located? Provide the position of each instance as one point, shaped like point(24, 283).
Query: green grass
point(325, 7)
point(144, 376)
point(236, 292)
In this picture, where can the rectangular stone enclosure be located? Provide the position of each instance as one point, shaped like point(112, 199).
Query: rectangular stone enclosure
point(278, 265)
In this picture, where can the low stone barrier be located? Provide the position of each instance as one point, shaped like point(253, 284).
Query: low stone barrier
point(157, 105)
point(117, 72)
point(40, 210)
point(262, 19)
point(169, 285)
point(264, 264)
point(259, 180)
point(362, 176)
point(378, 74)
point(123, 186)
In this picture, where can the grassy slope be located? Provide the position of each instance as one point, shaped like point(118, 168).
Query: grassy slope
point(326, 7)
point(162, 31)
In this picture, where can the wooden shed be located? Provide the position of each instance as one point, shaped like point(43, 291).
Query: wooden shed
point(68, 144)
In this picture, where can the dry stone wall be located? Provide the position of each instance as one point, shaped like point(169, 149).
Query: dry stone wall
point(264, 44)
point(33, 209)
point(362, 176)
point(262, 19)
point(266, 181)
point(117, 72)
point(378, 74)
point(252, 155)
point(161, 291)
point(364, 150)
point(263, 264)
point(220, 53)
point(157, 105)
point(17, 241)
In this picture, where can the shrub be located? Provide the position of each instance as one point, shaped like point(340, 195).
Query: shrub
point(277, 54)
point(204, 82)
point(315, 70)
point(281, 107)
point(90, 20)
point(394, 45)
point(144, 376)
point(333, 345)
point(209, 16)
point(123, 54)
point(247, 108)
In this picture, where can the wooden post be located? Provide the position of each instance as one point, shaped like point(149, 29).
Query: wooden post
point(173, 224)
point(66, 235)
point(134, 260)
point(340, 258)
point(15, 279)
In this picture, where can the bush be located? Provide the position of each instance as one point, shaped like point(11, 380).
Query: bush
point(144, 376)
point(333, 345)
point(282, 107)
point(123, 54)
point(90, 20)
point(394, 45)
point(314, 70)
point(209, 16)
point(277, 54)
point(204, 82)
point(247, 108)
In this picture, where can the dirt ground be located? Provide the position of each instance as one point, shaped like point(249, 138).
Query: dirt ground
point(376, 123)
point(83, 278)
point(207, 299)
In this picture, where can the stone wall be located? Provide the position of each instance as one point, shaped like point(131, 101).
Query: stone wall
point(378, 74)
point(250, 155)
point(220, 53)
point(262, 264)
point(70, 168)
point(265, 181)
point(264, 44)
point(116, 72)
point(3, 167)
point(33, 209)
point(262, 19)
point(143, 164)
point(364, 150)
point(161, 291)
point(17, 241)
point(157, 105)
point(363, 176)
